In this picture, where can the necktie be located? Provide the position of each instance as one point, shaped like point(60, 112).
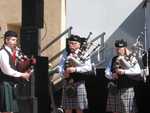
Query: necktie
point(14, 56)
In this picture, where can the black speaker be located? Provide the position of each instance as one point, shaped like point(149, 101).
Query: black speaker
point(26, 89)
point(28, 105)
point(32, 13)
point(97, 91)
point(41, 85)
point(27, 102)
point(29, 39)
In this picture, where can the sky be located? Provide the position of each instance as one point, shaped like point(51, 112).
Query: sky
point(98, 16)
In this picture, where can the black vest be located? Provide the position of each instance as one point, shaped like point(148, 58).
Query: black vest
point(4, 77)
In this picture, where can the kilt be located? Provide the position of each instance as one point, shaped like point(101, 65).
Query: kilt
point(123, 101)
point(8, 102)
point(79, 101)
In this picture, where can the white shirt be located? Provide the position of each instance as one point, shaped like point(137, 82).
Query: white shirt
point(80, 68)
point(130, 71)
point(4, 63)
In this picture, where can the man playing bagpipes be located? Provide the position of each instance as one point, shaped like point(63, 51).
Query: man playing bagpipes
point(74, 91)
point(9, 73)
point(123, 72)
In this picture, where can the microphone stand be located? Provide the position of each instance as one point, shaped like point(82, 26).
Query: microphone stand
point(145, 41)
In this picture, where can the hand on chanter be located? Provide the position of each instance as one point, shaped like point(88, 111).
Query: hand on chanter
point(120, 57)
point(26, 76)
point(115, 76)
point(68, 71)
point(120, 71)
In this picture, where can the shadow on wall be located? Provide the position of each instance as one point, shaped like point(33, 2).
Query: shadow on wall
point(128, 30)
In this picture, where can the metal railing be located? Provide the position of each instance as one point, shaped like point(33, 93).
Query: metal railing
point(57, 38)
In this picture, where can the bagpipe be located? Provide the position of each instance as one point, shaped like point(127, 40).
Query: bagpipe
point(87, 49)
point(21, 63)
point(137, 55)
point(79, 58)
point(122, 81)
point(24, 63)
point(142, 55)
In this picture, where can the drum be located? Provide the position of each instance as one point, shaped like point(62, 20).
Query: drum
point(57, 81)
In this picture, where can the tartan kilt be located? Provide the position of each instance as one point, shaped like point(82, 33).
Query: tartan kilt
point(123, 101)
point(8, 102)
point(79, 101)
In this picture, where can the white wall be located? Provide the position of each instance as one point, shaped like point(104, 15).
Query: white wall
point(98, 15)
